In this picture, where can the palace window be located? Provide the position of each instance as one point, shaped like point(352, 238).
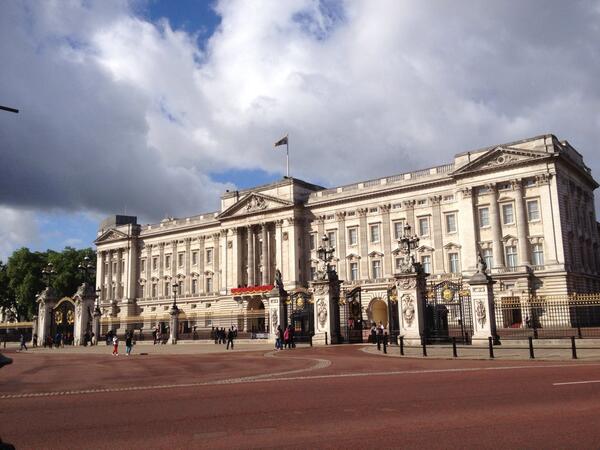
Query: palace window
point(398, 263)
point(352, 236)
point(376, 268)
point(508, 215)
point(374, 229)
point(312, 239)
point(313, 273)
point(533, 210)
point(143, 266)
point(426, 262)
point(331, 237)
point(537, 255)
point(180, 260)
point(488, 257)
point(154, 290)
point(209, 284)
point(484, 217)
point(194, 286)
point(167, 261)
point(398, 229)
point(511, 256)
point(209, 256)
point(453, 262)
point(424, 226)
point(194, 258)
point(167, 290)
point(353, 271)
point(451, 223)
point(154, 262)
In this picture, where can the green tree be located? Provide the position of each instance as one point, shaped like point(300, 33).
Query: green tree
point(24, 272)
point(68, 276)
point(7, 298)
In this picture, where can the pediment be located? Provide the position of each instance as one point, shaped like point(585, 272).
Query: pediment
point(110, 235)
point(501, 157)
point(253, 203)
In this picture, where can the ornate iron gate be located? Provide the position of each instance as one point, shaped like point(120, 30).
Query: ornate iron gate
point(394, 318)
point(299, 314)
point(448, 313)
point(350, 317)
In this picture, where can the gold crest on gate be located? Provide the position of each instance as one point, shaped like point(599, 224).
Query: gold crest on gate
point(448, 294)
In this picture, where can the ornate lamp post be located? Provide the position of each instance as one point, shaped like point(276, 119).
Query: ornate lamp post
point(408, 243)
point(86, 267)
point(48, 272)
point(175, 287)
point(325, 254)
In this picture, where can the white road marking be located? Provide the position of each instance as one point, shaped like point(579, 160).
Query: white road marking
point(575, 382)
point(321, 363)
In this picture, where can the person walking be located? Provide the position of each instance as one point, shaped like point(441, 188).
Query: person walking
point(128, 343)
point(373, 333)
point(23, 344)
point(115, 341)
point(278, 338)
point(380, 329)
point(230, 336)
point(286, 337)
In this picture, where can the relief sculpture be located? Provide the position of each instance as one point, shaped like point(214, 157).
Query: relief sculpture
point(408, 308)
point(322, 312)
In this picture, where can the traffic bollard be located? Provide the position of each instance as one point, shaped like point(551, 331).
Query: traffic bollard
point(491, 346)
point(402, 345)
point(424, 347)
point(326, 338)
point(531, 354)
point(573, 348)
point(454, 353)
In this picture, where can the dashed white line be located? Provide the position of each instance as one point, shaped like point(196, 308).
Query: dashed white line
point(576, 382)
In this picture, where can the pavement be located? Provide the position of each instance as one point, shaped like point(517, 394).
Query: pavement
point(200, 396)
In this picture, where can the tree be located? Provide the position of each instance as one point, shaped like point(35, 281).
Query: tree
point(68, 277)
point(7, 298)
point(24, 272)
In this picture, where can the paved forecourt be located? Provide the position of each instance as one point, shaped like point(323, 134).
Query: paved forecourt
point(326, 397)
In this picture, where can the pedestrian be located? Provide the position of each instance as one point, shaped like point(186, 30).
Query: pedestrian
point(223, 336)
point(23, 344)
point(286, 337)
point(278, 337)
point(154, 336)
point(292, 334)
point(128, 343)
point(380, 329)
point(93, 339)
point(373, 332)
point(115, 341)
point(230, 336)
point(35, 340)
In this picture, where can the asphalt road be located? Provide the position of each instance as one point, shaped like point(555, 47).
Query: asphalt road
point(335, 397)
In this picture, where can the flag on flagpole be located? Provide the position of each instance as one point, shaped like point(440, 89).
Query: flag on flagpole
point(282, 141)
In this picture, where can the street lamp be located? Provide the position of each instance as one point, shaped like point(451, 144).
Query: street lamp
point(97, 307)
point(48, 272)
point(325, 251)
point(175, 289)
point(86, 267)
point(408, 243)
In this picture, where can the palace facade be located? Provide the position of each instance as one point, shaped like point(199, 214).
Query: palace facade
point(527, 207)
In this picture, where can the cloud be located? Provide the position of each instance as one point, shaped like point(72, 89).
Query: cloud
point(18, 228)
point(121, 112)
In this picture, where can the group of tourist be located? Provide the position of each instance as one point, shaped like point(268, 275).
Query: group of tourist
point(285, 338)
point(222, 336)
point(128, 343)
point(379, 335)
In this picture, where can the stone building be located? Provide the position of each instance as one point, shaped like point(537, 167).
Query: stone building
point(526, 206)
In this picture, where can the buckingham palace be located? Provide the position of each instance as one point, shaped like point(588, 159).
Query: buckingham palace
point(526, 207)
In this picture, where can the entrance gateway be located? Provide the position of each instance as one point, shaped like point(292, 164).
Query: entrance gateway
point(448, 313)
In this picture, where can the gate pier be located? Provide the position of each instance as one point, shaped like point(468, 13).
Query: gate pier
point(46, 303)
point(411, 292)
point(483, 313)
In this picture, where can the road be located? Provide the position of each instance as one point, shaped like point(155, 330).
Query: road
point(333, 397)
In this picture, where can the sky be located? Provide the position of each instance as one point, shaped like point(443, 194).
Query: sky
point(154, 108)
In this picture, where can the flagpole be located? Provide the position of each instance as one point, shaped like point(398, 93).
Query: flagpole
point(287, 156)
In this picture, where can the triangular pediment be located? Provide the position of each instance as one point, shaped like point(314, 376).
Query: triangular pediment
point(110, 235)
point(254, 203)
point(501, 157)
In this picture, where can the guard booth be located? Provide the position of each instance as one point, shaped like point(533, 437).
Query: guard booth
point(351, 322)
point(448, 313)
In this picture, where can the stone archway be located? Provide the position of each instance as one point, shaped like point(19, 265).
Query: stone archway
point(255, 313)
point(378, 311)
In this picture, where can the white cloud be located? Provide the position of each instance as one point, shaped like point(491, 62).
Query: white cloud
point(18, 228)
point(119, 111)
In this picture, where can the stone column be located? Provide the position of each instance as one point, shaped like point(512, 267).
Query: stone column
point(294, 252)
point(483, 311)
point(436, 231)
point(217, 261)
point(173, 262)
point(34, 330)
point(96, 325)
point(341, 250)
point(235, 258)
point(388, 267)
point(265, 255)
point(411, 305)
point(363, 243)
point(161, 270)
point(326, 295)
point(409, 207)
point(188, 266)
point(119, 291)
point(201, 258)
point(549, 222)
point(250, 235)
point(495, 221)
point(522, 223)
point(468, 225)
point(84, 302)
point(46, 302)
point(100, 270)
point(109, 282)
point(278, 245)
point(173, 325)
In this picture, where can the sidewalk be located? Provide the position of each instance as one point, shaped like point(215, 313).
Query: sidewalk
point(502, 352)
point(147, 348)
